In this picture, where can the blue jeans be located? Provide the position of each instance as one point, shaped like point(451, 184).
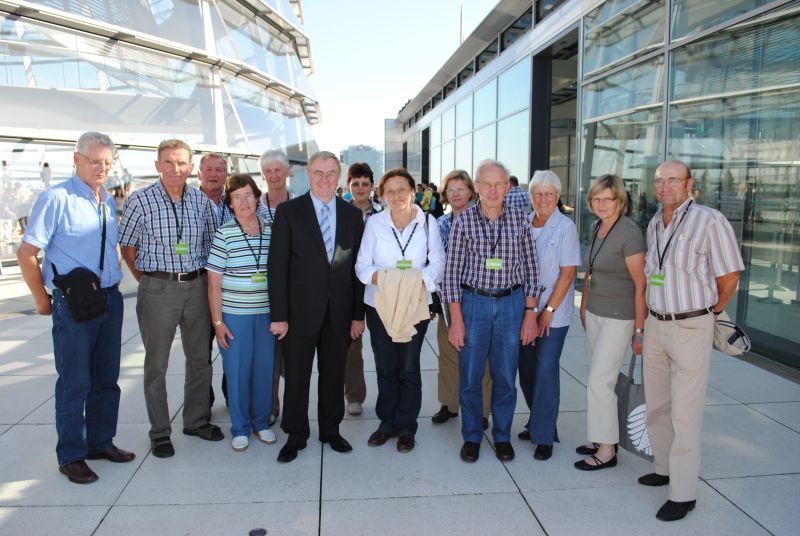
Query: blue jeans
point(399, 379)
point(540, 383)
point(87, 361)
point(492, 332)
point(249, 362)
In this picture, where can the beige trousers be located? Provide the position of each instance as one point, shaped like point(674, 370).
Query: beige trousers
point(607, 342)
point(677, 357)
point(449, 380)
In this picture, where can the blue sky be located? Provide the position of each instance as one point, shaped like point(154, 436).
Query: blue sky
point(371, 56)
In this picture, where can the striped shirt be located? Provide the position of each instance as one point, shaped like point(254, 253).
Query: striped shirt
point(154, 225)
point(474, 239)
point(233, 254)
point(703, 248)
point(267, 213)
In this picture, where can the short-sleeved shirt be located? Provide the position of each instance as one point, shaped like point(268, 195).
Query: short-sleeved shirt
point(67, 223)
point(154, 224)
point(611, 289)
point(703, 248)
point(233, 254)
point(445, 224)
point(557, 245)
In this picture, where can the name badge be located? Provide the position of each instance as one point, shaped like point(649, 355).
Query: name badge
point(494, 264)
point(404, 265)
point(258, 277)
point(657, 280)
point(181, 248)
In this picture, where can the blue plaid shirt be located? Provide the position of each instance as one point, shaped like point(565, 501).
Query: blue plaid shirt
point(445, 224)
point(519, 198)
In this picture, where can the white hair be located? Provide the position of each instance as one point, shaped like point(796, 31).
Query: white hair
point(545, 177)
point(88, 138)
point(274, 156)
point(489, 162)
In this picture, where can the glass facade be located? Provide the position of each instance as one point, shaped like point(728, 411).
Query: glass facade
point(56, 74)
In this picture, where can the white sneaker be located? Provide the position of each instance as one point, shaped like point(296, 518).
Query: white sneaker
point(240, 443)
point(354, 408)
point(267, 436)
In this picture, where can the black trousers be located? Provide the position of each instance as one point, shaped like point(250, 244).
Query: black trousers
point(330, 345)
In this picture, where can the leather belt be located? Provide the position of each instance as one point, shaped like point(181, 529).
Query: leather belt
point(680, 316)
point(180, 277)
point(492, 293)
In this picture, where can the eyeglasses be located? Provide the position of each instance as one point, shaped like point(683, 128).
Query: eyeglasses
point(95, 163)
point(457, 191)
point(242, 196)
point(331, 175)
point(493, 186)
point(669, 181)
point(545, 195)
point(603, 200)
point(359, 184)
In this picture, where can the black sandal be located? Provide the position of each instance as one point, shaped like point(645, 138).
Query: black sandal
point(583, 465)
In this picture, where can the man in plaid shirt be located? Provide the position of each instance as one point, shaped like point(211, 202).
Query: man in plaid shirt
point(491, 285)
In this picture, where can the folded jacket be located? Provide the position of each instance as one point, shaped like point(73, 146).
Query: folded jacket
point(401, 302)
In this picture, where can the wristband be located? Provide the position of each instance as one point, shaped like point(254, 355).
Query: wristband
point(638, 330)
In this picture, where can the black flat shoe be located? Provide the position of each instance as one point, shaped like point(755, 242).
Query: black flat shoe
point(673, 511)
point(470, 451)
point(584, 466)
point(543, 452)
point(588, 451)
point(337, 443)
point(504, 451)
point(443, 415)
point(654, 479)
point(525, 435)
point(289, 451)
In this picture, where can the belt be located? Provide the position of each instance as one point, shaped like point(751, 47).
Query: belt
point(180, 277)
point(681, 316)
point(492, 293)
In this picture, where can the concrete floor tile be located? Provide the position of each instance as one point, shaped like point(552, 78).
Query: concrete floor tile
point(279, 518)
point(432, 468)
point(27, 358)
point(786, 413)
point(486, 513)
point(632, 509)
point(749, 384)
point(65, 520)
point(770, 500)
point(738, 441)
point(21, 395)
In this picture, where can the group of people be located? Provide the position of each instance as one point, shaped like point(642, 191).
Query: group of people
point(275, 279)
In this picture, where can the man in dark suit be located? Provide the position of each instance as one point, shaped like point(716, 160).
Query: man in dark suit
point(316, 301)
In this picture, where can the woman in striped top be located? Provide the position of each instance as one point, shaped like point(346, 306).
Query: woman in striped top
point(237, 295)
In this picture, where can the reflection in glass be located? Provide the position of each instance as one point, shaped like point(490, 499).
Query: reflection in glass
point(619, 31)
point(639, 86)
point(484, 144)
point(691, 16)
point(514, 88)
point(485, 100)
point(512, 144)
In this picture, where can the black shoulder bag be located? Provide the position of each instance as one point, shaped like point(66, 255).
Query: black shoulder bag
point(81, 287)
point(436, 299)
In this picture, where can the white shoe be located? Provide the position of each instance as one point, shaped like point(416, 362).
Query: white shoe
point(240, 443)
point(354, 408)
point(267, 436)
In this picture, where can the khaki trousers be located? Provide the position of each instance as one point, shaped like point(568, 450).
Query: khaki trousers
point(355, 388)
point(449, 378)
point(607, 342)
point(677, 357)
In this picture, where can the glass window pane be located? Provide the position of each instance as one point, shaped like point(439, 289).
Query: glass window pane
point(514, 88)
point(485, 104)
point(449, 124)
point(464, 153)
point(436, 132)
point(636, 87)
point(436, 165)
point(464, 116)
point(512, 144)
point(619, 31)
point(448, 156)
point(484, 144)
point(690, 16)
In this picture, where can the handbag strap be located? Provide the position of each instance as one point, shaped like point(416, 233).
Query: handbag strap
point(102, 244)
point(632, 366)
point(427, 241)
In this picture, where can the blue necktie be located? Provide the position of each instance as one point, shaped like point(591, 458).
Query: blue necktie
point(325, 227)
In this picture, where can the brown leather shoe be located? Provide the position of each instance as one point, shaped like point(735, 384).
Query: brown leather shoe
point(78, 472)
point(405, 443)
point(112, 454)
point(378, 438)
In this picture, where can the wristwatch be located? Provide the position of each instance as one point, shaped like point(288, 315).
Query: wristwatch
point(549, 307)
point(534, 309)
point(638, 330)
point(217, 323)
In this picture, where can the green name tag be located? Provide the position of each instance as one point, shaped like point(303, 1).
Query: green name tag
point(494, 264)
point(403, 265)
point(181, 248)
point(657, 280)
point(258, 277)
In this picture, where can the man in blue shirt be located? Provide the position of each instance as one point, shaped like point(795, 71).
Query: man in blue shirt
point(68, 222)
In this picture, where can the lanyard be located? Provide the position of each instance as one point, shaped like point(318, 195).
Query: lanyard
point(269, 208)
point(483, 220)
point(247, 241)
point(397, 239)
point(178, 221)
point(594, 237)
point(663, 255)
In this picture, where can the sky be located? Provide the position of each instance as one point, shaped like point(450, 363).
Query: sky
point(371, 56)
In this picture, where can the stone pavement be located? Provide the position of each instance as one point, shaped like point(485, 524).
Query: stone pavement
point(750, 471)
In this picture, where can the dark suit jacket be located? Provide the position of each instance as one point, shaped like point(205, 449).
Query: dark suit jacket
point(301, 282)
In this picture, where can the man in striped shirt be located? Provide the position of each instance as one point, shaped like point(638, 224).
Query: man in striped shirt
point(165, 233)
point(491, 285)
point(692, 267)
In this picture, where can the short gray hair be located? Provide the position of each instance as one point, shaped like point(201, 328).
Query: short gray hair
point(490, 162)
point(324, 154)
point(87, 138)
point(545, 177)
point(274, 156)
